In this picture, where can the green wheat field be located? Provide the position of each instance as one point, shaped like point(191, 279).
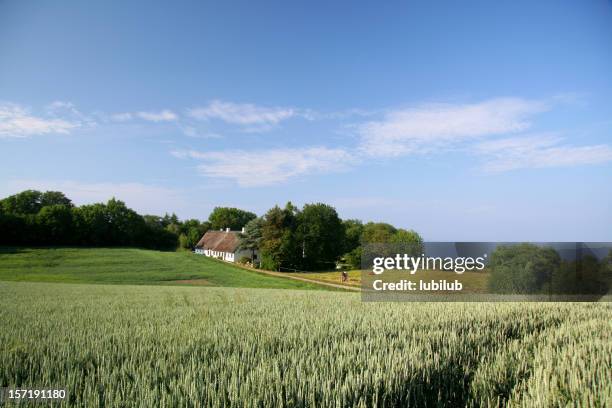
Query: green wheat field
point(126, 327)
point(191, 346)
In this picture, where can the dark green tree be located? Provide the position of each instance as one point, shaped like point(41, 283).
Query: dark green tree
point(522, 269)
point(55, 198)
point(55, 224)
point(352, 242)
point(126, 226)
point(26, 202)
point(353, 230)
point(279, 248)
point(92, 225)
point(251, 238)
point(50, 218)
point(227, 217)
point(321, 234)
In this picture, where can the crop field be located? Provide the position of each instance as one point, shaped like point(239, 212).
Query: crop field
point(113, 346)
point(130, 266)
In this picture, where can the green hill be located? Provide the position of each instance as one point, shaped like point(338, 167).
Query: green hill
point(130, 266)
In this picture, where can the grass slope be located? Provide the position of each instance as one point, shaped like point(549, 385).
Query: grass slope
point(233, 347)
point(130, 266)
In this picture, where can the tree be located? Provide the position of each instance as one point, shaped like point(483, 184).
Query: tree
point(190, 238)
point(376, 240)
point(278, 245)
point(407, 241)
point(321, 234)
point(227, 217)
point(377, 232)
point(14, 229)
point(127, 227)
point(55, 198)
point(170, 219)
point(250, 239)
point(26, 202)
point(352, 242)
point(184, 241)
point(56, 224)
point(91, 225)
point(111, 224)
point(583, 276)
point(522, 269)
point(32, 201)
point(606, 264)
point(157, 237)
point(193, 223)
point(353, 230)
point(189, 231)
point(50, 218)
point(154, 221)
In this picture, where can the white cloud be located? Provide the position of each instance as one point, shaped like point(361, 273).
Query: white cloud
point(145, 199)
point(268, 167)
point(16, 121)
point(62, 106)
point(539, 151)
point(244, 114)
point(122, 117)
point(162, 116)
point(68, 111)
point(196, 133)
point(428, 127)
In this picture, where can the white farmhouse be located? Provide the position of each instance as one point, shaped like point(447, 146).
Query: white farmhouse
point(222, 245)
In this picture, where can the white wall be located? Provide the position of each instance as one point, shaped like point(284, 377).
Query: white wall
point(226, 256)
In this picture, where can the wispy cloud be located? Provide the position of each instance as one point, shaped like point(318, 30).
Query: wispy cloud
point(194, 132)
point(165, 115)
point(539, 151)
point(248, 115)
point(162, 116)
point(69, 111)
point(57, 107)
point(427, 127)
point(17, 122)
point(122, 117)
point(268, 167)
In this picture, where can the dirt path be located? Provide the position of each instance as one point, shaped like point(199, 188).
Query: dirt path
point(285, 276)
point(333, 285)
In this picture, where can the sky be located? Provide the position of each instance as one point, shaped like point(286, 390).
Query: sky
point(465, 121)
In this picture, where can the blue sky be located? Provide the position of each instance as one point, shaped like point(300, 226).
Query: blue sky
point(461, 120)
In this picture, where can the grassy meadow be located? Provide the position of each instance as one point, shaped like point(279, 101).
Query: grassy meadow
point(197, 346)
point(130, 266)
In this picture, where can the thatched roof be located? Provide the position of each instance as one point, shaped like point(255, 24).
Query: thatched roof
point(222, 241)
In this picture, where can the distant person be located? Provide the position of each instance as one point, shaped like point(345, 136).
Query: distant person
point(344, 276)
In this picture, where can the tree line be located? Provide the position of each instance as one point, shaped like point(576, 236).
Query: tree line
point(531, 269)
point(315, 238)
point(50, 218)
point(289, 238)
